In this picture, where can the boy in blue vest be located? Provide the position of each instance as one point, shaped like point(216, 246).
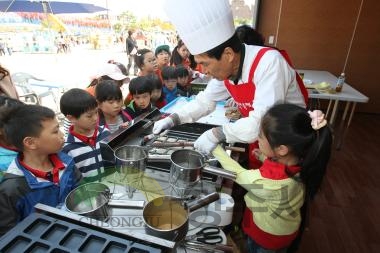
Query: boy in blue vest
point(169, 78)
point(82, 141)
point(40, 173)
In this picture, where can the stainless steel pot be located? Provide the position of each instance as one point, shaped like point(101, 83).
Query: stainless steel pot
point(185, 170)
point(131, 163)
point(94, 199)
point(187, 167)
point(168, 217)
point(89, 200)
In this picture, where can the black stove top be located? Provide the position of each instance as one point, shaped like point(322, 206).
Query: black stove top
point(141, 127)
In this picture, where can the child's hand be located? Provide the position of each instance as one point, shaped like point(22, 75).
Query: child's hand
point(124, 125)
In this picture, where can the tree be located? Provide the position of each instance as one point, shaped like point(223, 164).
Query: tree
point(117, 27)
point(127, 20)
point(242, 21)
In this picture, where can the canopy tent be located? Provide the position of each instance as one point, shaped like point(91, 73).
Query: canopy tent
point(55, 23)
point(48, 9)
point(47, 6)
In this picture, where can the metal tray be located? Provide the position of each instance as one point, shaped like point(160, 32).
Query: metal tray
point(41, 233)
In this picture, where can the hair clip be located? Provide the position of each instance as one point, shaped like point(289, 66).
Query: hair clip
point(317, 119)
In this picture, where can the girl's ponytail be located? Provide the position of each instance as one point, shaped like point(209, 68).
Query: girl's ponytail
point(315, 161)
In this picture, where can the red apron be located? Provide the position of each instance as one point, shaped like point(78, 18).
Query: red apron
point(244, 94)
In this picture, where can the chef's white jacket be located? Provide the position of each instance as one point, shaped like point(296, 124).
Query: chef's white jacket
point(275, 82)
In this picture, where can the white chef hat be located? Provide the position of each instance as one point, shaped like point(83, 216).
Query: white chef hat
point(201, 24)
point(111, 70)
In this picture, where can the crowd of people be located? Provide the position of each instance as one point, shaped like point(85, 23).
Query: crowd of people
point(40, 159)
point(41, 164)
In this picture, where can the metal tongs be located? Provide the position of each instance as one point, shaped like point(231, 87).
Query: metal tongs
point(208, 248)
point(178, 144)
point(188, 144)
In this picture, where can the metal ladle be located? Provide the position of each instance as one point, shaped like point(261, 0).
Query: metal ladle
point(185, 144)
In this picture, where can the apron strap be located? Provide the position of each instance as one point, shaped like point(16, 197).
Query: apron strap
point(301, 85)
point(256, 62)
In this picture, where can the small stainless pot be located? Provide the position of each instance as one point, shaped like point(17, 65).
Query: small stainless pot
point(187, 167)
point(131, 159)
point(89, 200)
point(168, 217)
point(185, 170)
point(131, 163)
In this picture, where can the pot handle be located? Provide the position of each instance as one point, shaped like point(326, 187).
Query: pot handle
point(107, 193)
point(192, 206)
point(137, 204)
point(158, 158)
point(220, 172)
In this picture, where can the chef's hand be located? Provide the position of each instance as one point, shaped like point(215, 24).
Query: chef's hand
point(162, 124)
point(230, 103)
point(208, 141)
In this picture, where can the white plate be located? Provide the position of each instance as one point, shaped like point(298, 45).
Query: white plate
point(307, 81)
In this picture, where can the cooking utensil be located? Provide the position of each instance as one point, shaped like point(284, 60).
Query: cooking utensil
point(131, 163)
point(207, 247)
point(186, 144)
point(89, 200)
point(168, 217)
point(122, 203)
point(207, 235)
point(187, 167)
point(94, 199)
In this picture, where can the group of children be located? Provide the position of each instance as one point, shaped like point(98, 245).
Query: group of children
point(40, 165)
point(176, 77)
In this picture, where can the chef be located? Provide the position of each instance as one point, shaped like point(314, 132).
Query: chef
point(255, 77)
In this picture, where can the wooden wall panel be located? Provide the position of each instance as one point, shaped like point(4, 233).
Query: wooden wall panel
point(268, 25)
point(317, 35)
point(306, 31)
point(363, 65)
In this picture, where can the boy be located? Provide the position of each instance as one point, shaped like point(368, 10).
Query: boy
point(40, 173)
point(82, 141)
point(183, 84)
point(141, 90)
point(169, 78)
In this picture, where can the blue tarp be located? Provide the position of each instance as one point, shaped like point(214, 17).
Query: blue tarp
point(54, 7)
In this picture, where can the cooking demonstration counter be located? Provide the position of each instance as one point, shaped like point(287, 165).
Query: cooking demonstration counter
point(156, 184)
point(58, 230)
